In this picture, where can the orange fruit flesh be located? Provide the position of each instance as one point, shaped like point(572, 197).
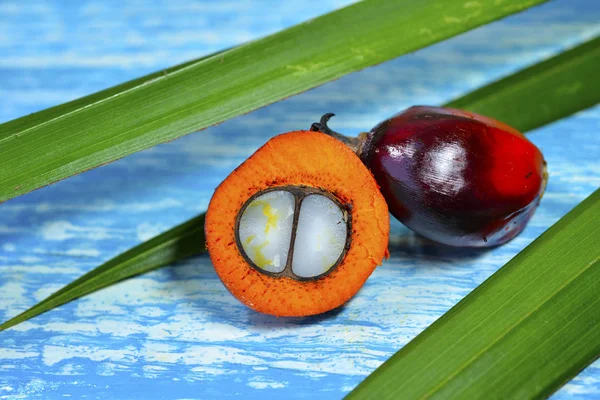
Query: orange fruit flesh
point(301, 158)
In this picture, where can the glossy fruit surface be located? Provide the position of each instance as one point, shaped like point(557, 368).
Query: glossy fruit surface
point(456, 177)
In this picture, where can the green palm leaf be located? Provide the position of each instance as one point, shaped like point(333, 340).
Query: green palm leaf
point(50, 145)
point(546, 92)
point(521, 334)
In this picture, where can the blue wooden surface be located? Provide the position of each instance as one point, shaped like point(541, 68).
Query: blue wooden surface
point(176, 332)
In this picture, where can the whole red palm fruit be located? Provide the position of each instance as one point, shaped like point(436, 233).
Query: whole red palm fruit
point(453, 176)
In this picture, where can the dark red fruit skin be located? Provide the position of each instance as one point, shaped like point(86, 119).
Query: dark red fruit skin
point(456, 177)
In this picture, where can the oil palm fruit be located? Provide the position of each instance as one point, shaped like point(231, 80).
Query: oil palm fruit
point(453, 176)
point(298, 228)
